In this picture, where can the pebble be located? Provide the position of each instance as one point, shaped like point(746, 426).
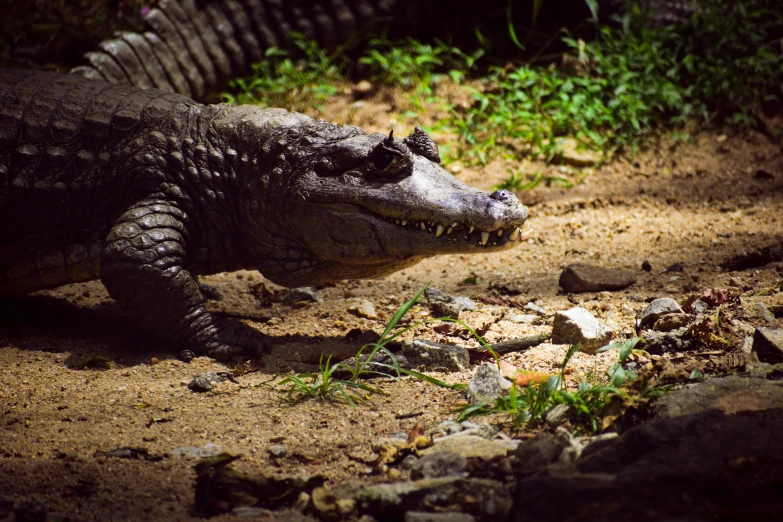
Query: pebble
point(577, 325)
point(436, 356)
point(535, 308)
point(439, 464)
point(654, 310)
point(522, 318)
point(277, 451)
point(768, 344)
point(763, 312)
point(580, 277)
point(363, 308)
point(487, 384)
point(305, 294)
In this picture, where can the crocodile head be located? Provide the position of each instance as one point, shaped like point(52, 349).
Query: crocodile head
point(366, 205)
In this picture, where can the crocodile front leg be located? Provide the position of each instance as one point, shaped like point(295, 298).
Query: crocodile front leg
point(142, 269)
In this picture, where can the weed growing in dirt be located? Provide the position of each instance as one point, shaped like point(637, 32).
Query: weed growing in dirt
point(323, 385)
point(589, 402)
point(295, 83)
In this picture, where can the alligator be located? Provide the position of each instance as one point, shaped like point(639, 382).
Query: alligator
point(146, 190)
point(194, 47)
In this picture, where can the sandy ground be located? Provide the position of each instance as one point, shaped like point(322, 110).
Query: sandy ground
point(696, 204)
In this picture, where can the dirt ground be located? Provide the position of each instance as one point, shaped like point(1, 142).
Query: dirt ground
point(697, 204)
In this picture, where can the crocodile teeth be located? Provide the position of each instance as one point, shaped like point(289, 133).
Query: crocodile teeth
point(484, 238)
point(526, 235)
point(423, 226)
point(471, 230)
point(449, 230)
point(398, 221)
point(514, 235)
point(500, 231)
point(439, 231)
point(454, 225)
point(404, 222)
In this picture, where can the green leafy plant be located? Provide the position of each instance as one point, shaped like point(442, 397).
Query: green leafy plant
point(280, 80)
point(528, 405)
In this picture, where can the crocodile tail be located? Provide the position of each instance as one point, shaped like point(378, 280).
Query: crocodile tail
point(193, 47)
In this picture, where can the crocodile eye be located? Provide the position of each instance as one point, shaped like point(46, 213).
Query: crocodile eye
point(383, 160)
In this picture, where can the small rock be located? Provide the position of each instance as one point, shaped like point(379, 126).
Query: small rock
point(696, 306)
point(154, 361)
point(747, 344)
point(436, 356)
point(669, 322)
point(447, 310)
point(209, 292)
point(472, 446)
point(533, 455)
point(522, 318)
point(577, 325)
point(305, 294)
point(768, 344)
point(676, 267)
point(277, 451)
point(507, 288)
point(207, 450)
point(203, 382)
point(763, 312)
point(487, 384)
point(535, 308)
point(448, 427)
point(580, 277)
point(33, 510)
point(363, 308)
point(728, 395)
point(559, 414)
point(362, 88)
point(487, 499)
point(380, 365)
point(577, 155)
point(250, 512)
point(439, 464)
point(653, 311)
point(646, 266)
point(675, 341)
point(421, 516)
point(445, 305)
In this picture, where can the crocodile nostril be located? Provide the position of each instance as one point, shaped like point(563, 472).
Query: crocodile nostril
point(502, 195)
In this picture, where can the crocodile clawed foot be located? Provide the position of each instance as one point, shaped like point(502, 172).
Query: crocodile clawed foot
point(236, 339)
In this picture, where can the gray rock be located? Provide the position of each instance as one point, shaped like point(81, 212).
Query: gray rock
point(659, 307)
point(439, 464)
point(436, 356)
point(207, 450)
point(716, 467)
point(698, 307)
point(729, 395)
point(764, 371)
point(489, 499)
point(768, 344)
point(577, 325)
point(305, 294)
point(487, 384)
point(675, 341)
point(250, 512)
point(277, 451)
point(448, 427)
point(421, 516)
point(472, 447)
point(522, 318)
point(580, 277)
point(363, 308)
point(763, 312)
point(559, 414)
point(204, 382)
point(535, 308)
point(445, 305)
point(533, 455)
